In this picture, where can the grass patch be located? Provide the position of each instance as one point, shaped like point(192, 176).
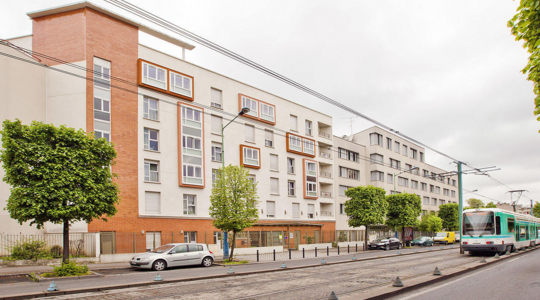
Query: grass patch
point(68, 269)
point(241, 262)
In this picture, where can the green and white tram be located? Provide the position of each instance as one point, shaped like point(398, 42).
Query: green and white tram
point(498, 230)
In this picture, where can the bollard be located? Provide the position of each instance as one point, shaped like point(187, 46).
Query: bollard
point(483, 260)
point(496, 256)
point(158, 277)
point(274, 254)
point(333, 296)
point(53, 287)
point(441, 247)
point(416, 250)
point(231, 271)
point(348, 250)
point(398, 282)
point(429, 249)
point(257, 255)
point(327, 251)
point(356, 247)
point(283, 266)
point(323, 261)
point(289, 253)
point(337, 250)
point(303, 252)
point(315, 251)
point(437, 272)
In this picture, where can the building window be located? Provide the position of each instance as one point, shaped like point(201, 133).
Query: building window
point(309, 128)
point(426, 201)
point(434, 201)
point(250, 156)
point(180, 84)
point(422, 156)
point(433, 176)
point(151, 171)
point(150, 109)
point(396, 164)
point(274, 166)
point(376, 139)
point(389, 144)
point(453, 182)
point(252, 104)
point(396, 147)
point(290, 165)
point(192, 148)
point(423, 186)
point(268, 138)
point(446, 192)
point(390, 178)
point(151, 139)
point(437, 190)
point(310, 178)
point(152, 205)
point(102, 73)
point(217, 154)
point(216, 98)
point(189, 204)
point(431, 188)
point(214, 175)
point(102, 119)
point(270, 209)
point(342, 189)
point(348, 155)
point(217, 122)
point(342, 209)
point(274, 186)
point(453, 194)
point(414, 154)
point(441, 202)
point(295, 143)
point(403, 181)
point(153, 240)
point(291, 188)
point(377, 176)
point(154, 76)
point(294, 122)
point(296, 210)
point(267, 112)
point(311, 211)
point(405, 150)
point(349, 173)
point(192, 174)
point(426, 173)
point(376, 158)
point(190, 237)
point(250, 133)
point(414, 184)
point(309, 147)
point(253, 178)
point(408, 167)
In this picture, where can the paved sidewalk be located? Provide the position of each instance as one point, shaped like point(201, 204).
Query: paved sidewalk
point(185, 273)
point(7, 271)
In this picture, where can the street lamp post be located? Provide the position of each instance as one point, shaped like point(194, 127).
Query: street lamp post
point(400, 174)
point(244, 110)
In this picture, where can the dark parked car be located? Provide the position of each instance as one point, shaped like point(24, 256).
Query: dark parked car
point(386, 244)
point(422, 241)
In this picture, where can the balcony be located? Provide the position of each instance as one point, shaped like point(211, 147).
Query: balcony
point(326, 174)
point(325, 154)
point(325, 135)
point(326, 213)
point(326, 194)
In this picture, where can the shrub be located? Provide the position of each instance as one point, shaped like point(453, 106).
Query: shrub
point(69, 268)
point(56, 251)
point(30, 249)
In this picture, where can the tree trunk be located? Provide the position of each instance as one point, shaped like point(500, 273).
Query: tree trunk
point(233, 244)
point(403, 235)
point(65, 256)
point(365, 239)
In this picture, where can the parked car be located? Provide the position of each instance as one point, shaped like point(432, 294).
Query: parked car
point(422, 241)
point(445, 238)
point(458, 236)
point(173, 255)
point(385, 244)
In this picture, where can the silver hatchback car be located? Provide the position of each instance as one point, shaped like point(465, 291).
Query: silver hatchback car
point(173, 255)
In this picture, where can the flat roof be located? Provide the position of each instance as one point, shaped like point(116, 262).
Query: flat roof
point(83, 4)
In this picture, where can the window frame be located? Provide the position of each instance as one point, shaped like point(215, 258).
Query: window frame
point(243, 156)
point(310, 127)
point(290, 137)
point(215, 153)
point(167, 86)
point(146, 132)
point(146, 108)
point(256, 115)
point(310, 185)
point(149, 163)
point(184, 120)
point(292, 166)
point(289, 188)
point(186, 205)
point(173, 86)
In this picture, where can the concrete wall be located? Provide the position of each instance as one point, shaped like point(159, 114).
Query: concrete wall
point(320, 247)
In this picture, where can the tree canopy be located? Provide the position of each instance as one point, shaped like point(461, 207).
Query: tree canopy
point(431, 223)
point(57, 174)
point(491, 205)
point(233, 200)
point(536, 210)
point(367, 206)
point(403, 210)
point(525, 25)
point(475, 203)
point(449, 214)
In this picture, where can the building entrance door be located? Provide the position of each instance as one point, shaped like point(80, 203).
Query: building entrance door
point(107, 241)
point(317, 235)
point(296, 239)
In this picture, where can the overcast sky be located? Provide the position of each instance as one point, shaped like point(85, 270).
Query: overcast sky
point(443, 72)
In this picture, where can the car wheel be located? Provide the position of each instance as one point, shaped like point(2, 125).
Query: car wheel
point(159, 265)
point(399, 246)
point(207, 262)
point(446, 243)
point(387, 248)
point(425, 244)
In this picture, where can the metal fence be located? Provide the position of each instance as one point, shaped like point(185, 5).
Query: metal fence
point(80, 244)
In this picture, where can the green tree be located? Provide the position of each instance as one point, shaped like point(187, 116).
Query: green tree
point(403, 211)
point(58, 175)
point(431, 223)
point(233, 201)
point(491, 205)
point(449, 214)
point(367, 206)
point(536, 210)
point(475, 203)
point(525, 26)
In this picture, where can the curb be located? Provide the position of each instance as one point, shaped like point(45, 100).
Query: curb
point(442, 278)
point(148, 283)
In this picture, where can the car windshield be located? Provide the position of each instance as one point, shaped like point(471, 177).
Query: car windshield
point(441, 234)
point(162, 249)
point(422, 238)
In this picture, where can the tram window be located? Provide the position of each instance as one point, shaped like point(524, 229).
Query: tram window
point(510, 225)
point(522, 233)
point(498, 225)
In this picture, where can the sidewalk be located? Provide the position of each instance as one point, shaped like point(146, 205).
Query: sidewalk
point(144, 277)
point(14, 271)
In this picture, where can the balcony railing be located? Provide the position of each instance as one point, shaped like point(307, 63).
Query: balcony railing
point(325, 135)
point(326, 174)
point(325, 155)
point(326, 194)
point(327, 213)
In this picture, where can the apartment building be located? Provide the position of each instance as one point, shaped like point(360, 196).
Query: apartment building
point(164, 115)
point(390, 162)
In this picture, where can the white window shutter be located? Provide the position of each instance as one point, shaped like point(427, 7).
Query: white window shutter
point(294, 123)
point(270, 208)
point(273, 162)
point(296, 210)
point(274, 185)
point(311, 208)
point(216, 124)
point(269, 135)
point(250, 133)
point(216, 96)
point(152, 203)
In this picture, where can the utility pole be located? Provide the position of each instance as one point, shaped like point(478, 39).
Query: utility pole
point(460, 192)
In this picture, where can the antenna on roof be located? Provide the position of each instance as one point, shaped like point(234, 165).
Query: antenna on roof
point(351, 120)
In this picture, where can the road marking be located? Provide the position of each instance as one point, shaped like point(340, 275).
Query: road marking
point(454, 281)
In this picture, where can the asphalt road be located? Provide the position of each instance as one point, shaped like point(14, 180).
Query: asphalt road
point(517, 278)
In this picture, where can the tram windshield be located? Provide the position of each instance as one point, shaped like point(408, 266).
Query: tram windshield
point(478, 223)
